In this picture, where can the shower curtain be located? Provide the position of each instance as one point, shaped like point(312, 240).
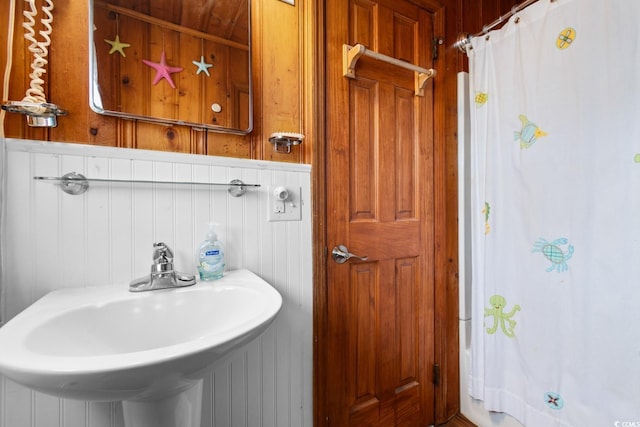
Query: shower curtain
point(555, 159)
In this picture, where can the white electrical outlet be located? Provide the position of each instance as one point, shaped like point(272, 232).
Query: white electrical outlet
point(284, 203)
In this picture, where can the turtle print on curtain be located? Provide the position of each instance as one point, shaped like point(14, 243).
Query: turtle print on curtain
point(555, 158)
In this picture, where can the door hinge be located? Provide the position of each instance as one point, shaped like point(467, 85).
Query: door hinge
point(436, 374)
point(435, 44)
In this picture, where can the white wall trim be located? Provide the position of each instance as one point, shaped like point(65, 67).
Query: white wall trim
point(63, 148)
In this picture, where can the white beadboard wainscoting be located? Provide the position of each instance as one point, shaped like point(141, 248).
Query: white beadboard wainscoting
point(104, 237)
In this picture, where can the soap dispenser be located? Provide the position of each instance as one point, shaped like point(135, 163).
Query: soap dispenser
point(211, 256)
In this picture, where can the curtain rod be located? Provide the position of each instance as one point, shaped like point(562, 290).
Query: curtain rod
point(464, 40)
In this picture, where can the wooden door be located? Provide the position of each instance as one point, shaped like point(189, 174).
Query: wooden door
point(380, 204)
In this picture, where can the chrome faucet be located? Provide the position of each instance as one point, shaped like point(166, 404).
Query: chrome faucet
point(162, 275)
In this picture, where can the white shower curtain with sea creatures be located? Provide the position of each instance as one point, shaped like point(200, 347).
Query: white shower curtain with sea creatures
point(555, 124)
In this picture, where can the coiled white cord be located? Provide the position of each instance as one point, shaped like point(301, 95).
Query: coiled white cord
point(39, 49)
point(7, 69)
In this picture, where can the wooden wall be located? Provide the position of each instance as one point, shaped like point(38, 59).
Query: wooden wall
point(281, 55)
point(283, 63)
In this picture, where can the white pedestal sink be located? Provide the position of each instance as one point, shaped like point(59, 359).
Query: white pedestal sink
point(150, 350)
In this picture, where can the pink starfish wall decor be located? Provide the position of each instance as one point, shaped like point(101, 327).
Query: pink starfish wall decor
point(163, 71)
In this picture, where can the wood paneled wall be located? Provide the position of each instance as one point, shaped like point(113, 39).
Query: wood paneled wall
point(283, 41)
point(281, 68)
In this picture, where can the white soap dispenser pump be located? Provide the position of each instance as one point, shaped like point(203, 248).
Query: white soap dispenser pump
point(211, 256)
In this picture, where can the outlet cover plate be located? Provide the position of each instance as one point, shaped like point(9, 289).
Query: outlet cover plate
point(292, 206)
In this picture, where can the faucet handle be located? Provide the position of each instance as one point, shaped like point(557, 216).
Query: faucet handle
point(162, 253)
point(162, 257)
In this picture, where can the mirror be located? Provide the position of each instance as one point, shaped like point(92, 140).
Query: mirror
point(184, 62)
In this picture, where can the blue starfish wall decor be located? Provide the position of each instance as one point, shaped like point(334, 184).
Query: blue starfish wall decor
point(202, 66)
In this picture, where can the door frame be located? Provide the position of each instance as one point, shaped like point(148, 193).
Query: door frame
point(447, 392)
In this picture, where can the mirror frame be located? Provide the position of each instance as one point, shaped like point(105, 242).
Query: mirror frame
point(94, 88)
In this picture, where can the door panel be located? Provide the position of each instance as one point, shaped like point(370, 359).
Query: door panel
point(380, 323)
point(362, 181)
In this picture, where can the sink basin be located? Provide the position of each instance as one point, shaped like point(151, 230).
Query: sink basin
point(106, 343)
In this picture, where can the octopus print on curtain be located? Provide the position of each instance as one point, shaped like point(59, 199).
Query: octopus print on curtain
point(555, 124)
